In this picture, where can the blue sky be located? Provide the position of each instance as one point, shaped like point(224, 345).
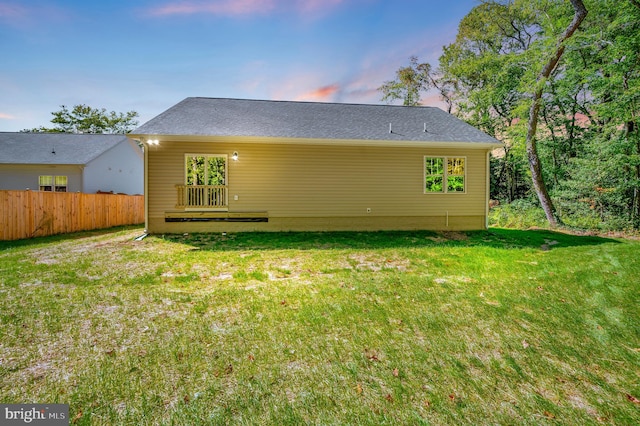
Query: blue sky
point(147, 55)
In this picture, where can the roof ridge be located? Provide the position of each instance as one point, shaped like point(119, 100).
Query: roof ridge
point(66, 134)
point(309, 102)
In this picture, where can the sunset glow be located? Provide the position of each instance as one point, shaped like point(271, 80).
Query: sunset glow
point(146, 55)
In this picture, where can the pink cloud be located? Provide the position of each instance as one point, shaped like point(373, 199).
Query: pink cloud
point(289, 86)
point(433, 98)
point(316, 86)
point(4, 116)
point(26, 16)
point(322, 94)
point(216, 7)
point(309, 8)
point(13, 11)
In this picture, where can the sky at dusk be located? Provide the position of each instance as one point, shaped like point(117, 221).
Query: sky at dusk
point(147, 55)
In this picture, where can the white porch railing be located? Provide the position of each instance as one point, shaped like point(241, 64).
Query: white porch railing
point(202, 196)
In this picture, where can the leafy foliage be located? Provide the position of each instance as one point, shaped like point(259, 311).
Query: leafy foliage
point(588, 137)
point(206, 170)
point(409, 83)
point(85, 119)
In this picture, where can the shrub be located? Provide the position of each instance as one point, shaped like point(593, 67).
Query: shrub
point(522, 213)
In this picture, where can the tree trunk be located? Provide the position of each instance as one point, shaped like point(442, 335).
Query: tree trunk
point(532, 149)
point(633, 131)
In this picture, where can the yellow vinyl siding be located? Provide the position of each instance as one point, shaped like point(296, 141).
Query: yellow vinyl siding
point(293, 182)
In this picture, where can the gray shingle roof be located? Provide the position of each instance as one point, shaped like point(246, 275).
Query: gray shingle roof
point(284, 119)
point(38, 148)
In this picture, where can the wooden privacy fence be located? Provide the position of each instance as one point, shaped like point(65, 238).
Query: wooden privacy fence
point(27, 214)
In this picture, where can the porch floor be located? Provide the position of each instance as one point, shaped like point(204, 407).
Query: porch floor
point(184, 216)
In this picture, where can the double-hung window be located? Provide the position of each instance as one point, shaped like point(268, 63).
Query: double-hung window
point(60, 184)
point(444, 175)
point(45, 183)
point(53, 183)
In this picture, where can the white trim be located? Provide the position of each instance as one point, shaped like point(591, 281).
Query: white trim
point(226, 173)
point(424, 174)
point(313, 141)
point(53, 183)
point(226, 164)
point(445, 174)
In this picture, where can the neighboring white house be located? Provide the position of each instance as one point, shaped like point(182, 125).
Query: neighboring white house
point(67, 162)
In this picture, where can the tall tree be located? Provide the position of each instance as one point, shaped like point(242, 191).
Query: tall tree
point(483, 70)
point(531, 144)
point(606, 176)
point(562, 88)
point(491, 63)
point(85, 119)
point(410, 81)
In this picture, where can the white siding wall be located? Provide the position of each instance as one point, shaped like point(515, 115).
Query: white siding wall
point(119, 169)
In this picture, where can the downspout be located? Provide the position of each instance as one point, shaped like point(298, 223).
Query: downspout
point(82, 168)
point(146, 188)
point(487, 190)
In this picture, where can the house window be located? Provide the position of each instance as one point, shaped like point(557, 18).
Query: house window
point(206, 169)
point(205, 182)
point(53, 183)
point(444, 174)
point(46, 183)
point(60, 184)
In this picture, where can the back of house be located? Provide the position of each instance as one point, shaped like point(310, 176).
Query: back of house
point(228, 165)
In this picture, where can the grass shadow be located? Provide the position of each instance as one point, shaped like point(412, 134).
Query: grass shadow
point(494, 237)
point(5, 245)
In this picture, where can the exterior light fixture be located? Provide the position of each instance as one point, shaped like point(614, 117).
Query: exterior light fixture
point(153, 142)
point(234, 156)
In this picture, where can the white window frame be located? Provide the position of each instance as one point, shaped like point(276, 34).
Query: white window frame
point(226, 178)
point(58, 184)
point(445, 174)
point(226, 166)
point(51, 183)
point(44, 182)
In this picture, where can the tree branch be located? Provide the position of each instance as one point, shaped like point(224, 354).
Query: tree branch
point(532, 150)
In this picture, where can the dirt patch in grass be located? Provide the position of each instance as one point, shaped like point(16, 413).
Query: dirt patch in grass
point(77, 247)
point(375, 262)
point(454, 236)
point(398, 329)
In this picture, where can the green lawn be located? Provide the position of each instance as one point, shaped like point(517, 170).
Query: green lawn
point(497, 327)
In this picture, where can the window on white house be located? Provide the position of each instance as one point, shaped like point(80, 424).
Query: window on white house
point(46, 183)
point(60, 184)
point(53, 183)
point(444, 174)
